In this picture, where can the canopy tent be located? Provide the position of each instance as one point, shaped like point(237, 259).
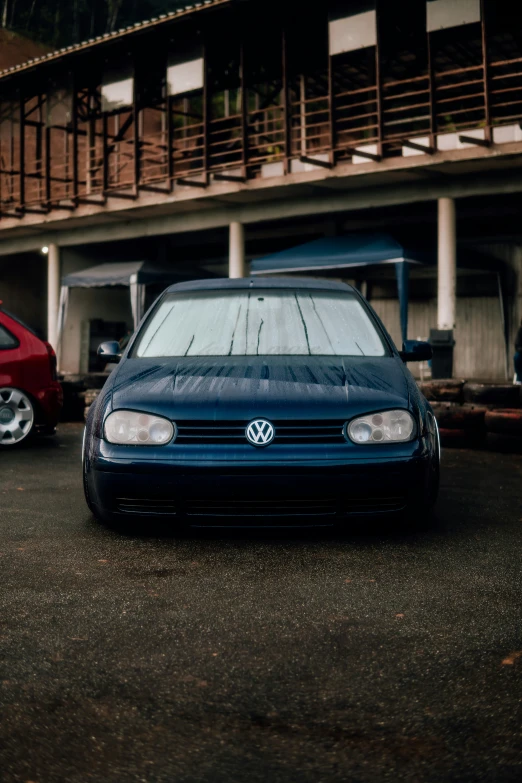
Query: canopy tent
point(135, 275)
point(359, 250)
point(345, 252)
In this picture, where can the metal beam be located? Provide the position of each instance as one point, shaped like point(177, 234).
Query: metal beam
point(286, 100)
point(485, 72)
point(75, 161)
point(420, 147)
point(170, 135)
point(193, 183)
point(331, 110)
point(378, 90)
point(474, 140)
point(206, 113)
point(136, 140)
point(105, 156)
point(365, 154)
point(222, 176)
point(432, 93)
point(244, 101)
point(325, 164)
point(22, 148)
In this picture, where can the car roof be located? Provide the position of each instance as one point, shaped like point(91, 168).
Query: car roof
point(225, 283)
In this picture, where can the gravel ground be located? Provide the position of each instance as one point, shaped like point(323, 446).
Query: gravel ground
point(360, 657)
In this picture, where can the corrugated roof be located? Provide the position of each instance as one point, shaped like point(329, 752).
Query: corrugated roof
point(139, 26)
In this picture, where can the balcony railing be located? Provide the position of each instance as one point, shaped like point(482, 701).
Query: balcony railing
point(263, 132)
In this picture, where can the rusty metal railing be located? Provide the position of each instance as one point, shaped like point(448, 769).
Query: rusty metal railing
point(310, 127)
point(406, 111)
point(193, 139)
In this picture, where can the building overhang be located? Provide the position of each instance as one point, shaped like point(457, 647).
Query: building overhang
point(395, 181)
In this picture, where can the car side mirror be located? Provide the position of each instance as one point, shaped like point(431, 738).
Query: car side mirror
point(110, 351)
point(415, 351)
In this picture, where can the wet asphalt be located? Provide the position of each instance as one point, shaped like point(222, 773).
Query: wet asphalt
point(367, 656)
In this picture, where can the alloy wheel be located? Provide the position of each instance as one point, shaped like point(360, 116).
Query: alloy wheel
point(16, 416)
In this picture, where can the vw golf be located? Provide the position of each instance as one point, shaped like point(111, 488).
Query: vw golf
point(259, 402)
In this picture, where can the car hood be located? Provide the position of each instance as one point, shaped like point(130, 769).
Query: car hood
point(229, 388)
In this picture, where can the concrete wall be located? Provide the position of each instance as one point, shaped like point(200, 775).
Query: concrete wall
point(511, 256)
point(479, 349)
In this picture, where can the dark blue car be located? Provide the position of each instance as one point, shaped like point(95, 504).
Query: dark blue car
point(260, 402)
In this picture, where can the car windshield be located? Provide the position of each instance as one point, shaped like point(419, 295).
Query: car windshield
point(259, 322)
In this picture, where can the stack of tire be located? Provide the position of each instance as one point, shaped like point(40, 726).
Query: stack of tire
point(73, 403)
point(474, 414)
point(79, 393)
point(88, 397)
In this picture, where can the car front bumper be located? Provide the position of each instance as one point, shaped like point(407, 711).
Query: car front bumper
point(239, 492)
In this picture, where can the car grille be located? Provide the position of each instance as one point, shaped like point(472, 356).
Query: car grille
point(261, 508)
point(299, 509)
point(233, 432)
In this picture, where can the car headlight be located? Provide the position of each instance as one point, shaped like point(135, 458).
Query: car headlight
point(138, 429)
point(386, 427)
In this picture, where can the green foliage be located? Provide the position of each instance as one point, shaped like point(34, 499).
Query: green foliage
point(64, 22)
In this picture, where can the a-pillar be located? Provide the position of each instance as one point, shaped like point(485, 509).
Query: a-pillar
point(442, 337)
point(236, 250)
point(53, 294)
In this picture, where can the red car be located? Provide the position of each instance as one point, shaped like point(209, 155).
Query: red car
point(30, 396)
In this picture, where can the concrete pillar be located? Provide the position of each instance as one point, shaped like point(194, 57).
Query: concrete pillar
point(53, 293)
point(447, 264)
point(236, 250)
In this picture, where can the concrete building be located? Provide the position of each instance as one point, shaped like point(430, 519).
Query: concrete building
point(236, 128)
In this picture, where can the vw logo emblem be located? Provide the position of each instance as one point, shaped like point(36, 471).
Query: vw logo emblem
point(260, 432)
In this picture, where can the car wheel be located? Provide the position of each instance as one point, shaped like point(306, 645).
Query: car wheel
point(16, 416)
